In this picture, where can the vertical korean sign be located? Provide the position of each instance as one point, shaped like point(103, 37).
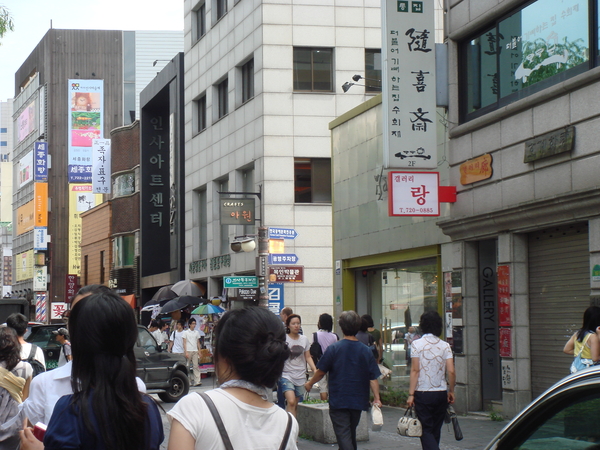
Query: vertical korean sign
point(81, 198)
point(85, 123)
point(101, 172)
point(409, 97)
point(155, 193)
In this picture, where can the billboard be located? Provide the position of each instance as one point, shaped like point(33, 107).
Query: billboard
point(81, 199)
point(85, 123)
point(25, 218)
point(26, 169)
point(41, 204)
point(24, 266)
point(26, 122)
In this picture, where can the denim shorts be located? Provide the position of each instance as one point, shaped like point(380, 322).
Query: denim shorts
point(286, 385)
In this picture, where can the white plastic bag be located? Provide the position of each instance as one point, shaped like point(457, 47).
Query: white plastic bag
point(377, 418)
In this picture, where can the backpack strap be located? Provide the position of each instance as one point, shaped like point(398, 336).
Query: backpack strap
point(286, 436)
point(217, 417)
point(315, 339)
point(32, 352)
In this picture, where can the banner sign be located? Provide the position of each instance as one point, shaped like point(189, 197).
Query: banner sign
point(26, 121)
point(41, 161)
point(276, 298)
point(24, 265)
point(71, 287)
point(40, 238)
point(85, 123)
point(25, 218)
point(81, 198)
point(26, 169)
point(58, 309)
point(40, 276)
point(101, 171)
point(409, 90)
point(414, 193)
point(41, 204)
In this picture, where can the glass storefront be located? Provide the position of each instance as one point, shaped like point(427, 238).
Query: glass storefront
point(396, 296)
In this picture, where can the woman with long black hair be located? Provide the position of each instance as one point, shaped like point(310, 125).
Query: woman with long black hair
point(585, 342)
point(106, 411)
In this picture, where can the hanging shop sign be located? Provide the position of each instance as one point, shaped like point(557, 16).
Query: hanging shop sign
point(240, 282)
point(417, 193)
point(237, 211)
point(504, 317)
point(409, 89)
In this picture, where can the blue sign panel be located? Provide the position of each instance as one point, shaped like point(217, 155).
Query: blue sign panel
point(282, 233)
point(276, 302)
point(41, 161)
point(283, 258)
point(80, 174)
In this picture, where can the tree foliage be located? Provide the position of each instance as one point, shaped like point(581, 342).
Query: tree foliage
point(6, 21)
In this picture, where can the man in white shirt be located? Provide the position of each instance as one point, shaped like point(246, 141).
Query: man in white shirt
point(191, 345)
point(176, 338)
point(18, 322)
point(154, 329)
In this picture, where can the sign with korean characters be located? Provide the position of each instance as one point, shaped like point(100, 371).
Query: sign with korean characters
point(408, 80)
point(41, 161)
point(40, 275)
point(101, 171)
point(414, 194)
point(237, 211)
point(240, 282)
point(286, 274)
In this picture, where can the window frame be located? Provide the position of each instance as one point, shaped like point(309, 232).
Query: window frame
point(247, 80)
point(220, 9)
point(199, 21)
point(593, 21)
point(314, 190)
point(370, 83)
point(201, 122)
point(222, 96)
point(296, 72)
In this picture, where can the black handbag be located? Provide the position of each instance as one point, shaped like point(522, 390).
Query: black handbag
point(452, 417)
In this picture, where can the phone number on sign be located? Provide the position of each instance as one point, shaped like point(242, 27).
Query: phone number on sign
point(415, 210)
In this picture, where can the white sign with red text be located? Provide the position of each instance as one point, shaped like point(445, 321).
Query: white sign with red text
point(57, 310)
point(414, 193)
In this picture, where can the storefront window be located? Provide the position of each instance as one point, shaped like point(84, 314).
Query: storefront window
point(532, 45)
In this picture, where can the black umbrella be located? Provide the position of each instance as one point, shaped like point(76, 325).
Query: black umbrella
point(179, 303)
point(187, 287)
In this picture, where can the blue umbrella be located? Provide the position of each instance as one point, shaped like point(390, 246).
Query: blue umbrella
point(208, 309)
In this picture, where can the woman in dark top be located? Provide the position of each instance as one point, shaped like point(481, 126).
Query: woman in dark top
point(106, 411)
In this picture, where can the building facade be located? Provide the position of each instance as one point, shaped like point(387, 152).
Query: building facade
point(75, 86)
point(526, 240)
point(6, 190)
point(263, 80)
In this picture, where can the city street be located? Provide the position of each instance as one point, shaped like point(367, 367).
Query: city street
point(478, 429)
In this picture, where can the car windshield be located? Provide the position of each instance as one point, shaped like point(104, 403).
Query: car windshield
point(570, 424)
point(42, 336)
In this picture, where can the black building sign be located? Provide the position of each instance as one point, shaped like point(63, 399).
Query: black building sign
point(237, 211)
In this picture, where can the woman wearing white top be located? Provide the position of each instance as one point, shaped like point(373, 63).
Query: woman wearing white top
point(294, 371)
point(429, 392)
point(249, 353)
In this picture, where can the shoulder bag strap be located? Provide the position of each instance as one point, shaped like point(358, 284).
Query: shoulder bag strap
point(286, 436)
point(315, 339)
point(213, 410)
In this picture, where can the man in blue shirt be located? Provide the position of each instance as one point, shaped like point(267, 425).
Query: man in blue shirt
point(352, 370)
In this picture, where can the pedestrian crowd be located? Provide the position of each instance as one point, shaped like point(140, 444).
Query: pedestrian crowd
point(94, 400)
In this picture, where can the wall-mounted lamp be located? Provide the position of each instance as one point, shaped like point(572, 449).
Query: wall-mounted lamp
point(243, 244)
point(358, 77)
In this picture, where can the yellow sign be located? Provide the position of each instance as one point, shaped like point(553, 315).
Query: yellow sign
point(25, 215)
point(276, 246)
point(476, 169)
point(24, 265)
point(81, 199)
point(41, 204)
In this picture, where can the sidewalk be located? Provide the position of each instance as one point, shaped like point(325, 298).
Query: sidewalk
point(478, 430)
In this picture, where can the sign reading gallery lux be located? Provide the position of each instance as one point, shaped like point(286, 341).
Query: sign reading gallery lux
point(237, 211)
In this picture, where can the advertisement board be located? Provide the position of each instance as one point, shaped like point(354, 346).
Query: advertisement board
point(24, 265)
point(101, 171)
point(414, 193)
point(81, 199)
point(85, 123)
point(25, 218)
point(26, 169)
point(41, 161)
point(26, 122)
